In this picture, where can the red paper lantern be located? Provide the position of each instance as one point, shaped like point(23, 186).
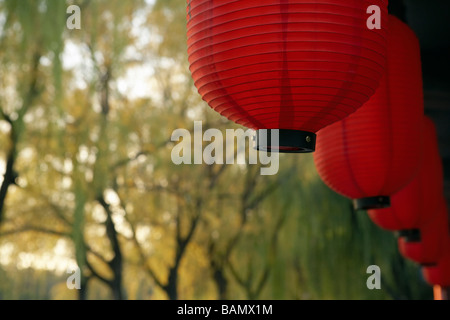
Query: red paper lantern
point(440, 273)
point(414, 205)
point(293, 65)
point(375, 152)
point(432, 242)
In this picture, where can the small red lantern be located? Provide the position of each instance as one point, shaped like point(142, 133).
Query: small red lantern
point(375, 152)
point(433, 240)
point(293, 65)
point(439, 274)
point(414, 205)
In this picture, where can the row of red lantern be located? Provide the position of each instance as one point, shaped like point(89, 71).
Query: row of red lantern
point(301, 67)
point(419, 211)
point(386, 155)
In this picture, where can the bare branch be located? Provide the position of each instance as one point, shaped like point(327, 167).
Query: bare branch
point(5, 116)
point(96, 254)
point(214, 179)
point(183, 242)
point(111, 232)
point(262, 281)
point(267, 191)
point(124, 162)
point(247, 282)
point(236, 275)
point(97, 275)
point(33, 90)
point(186, 240)
point(263, 195)
point(93, 58)
point(57, 210)
point(142, 257)
point(38, 229)
point(178, 224)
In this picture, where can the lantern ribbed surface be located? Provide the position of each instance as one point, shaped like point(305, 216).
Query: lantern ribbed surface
point(376, 151)
point(414, 205)
point(285, 64)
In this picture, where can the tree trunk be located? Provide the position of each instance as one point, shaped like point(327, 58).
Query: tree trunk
point(221, 284)
point(83, 292)
point(250, 294)
point(116, 283)
point(8, 179)
point(10, 175)
point(116, 288)
point(116, 264)
point(171, 287)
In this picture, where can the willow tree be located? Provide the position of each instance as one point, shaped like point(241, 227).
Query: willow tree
point(30, 40)
point(103, 40)
point(66, 127)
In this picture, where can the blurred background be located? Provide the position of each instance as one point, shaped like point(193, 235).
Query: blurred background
point(87, 179)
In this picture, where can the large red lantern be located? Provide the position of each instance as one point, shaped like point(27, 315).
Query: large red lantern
point(292, 65)
point(432, 240)
point(414, 205)
point(375, 152)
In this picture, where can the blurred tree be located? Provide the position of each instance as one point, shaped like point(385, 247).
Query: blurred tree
point(109, 29)
point(32, 31)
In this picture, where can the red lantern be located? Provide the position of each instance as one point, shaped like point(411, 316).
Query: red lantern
point(433, 240)
point(414, 205)
point(293, 65)
point(375, 152)
point(440, 273)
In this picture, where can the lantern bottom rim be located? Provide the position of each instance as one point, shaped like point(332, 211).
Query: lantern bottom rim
point(410, 235)
point(289, 141)
point(379, 202)
point(429, 264)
